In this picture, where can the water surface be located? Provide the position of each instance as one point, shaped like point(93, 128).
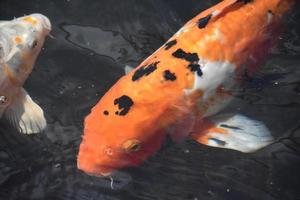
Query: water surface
point(93, 41)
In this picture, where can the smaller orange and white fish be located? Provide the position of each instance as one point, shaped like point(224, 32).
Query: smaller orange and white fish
point(181, 88)
point(21, 40)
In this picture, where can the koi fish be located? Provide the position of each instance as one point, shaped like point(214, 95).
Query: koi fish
point(180, 89)
point(21, 40)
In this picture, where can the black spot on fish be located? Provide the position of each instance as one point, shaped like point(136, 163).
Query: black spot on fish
point(144, 71)
point(230, 127)
point(191, 57)
point(124, 103)
point(169, 76)
point(204, 21)
point(106, 112)
point(219, 142)
point(170, 44)
point(195, 68)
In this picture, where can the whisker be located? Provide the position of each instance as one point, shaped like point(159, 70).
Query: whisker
point(51, 36)
point(111, 182)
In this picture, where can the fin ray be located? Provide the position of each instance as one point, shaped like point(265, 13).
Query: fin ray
point(25, 114)
point(236, 132)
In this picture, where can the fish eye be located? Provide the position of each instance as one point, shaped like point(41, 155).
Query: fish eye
point(3, 100)
point(132, 145)
point(34, 44)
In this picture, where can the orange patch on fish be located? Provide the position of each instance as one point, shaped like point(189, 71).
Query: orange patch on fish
point(26, 66)
point(10, 75)
point(30, 20)
point(203, 134)
point(18, 40)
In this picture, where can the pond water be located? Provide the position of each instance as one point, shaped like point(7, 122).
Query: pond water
point(92, 42)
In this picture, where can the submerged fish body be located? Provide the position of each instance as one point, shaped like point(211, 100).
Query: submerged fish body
point(21, 40)
point(177, 90)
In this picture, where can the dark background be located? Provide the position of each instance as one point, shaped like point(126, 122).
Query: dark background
point(93, 41)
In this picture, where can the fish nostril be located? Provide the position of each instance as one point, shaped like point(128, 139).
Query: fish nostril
point(108, 151)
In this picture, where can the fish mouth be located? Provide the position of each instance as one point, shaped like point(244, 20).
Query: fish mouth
point(95, 170)
point(99, 174)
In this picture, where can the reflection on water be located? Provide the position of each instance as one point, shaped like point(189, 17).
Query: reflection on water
point(111, 43)
point(93, 42)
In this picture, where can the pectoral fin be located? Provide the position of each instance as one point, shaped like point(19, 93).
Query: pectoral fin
point(25, 114)
point(180, 130)
point(236, 132)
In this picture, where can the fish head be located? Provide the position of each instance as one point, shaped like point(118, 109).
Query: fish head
point(113, 140)
point(21, 40)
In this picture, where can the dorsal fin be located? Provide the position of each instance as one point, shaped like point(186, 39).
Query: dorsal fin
point(212, 13)
point(128, 69)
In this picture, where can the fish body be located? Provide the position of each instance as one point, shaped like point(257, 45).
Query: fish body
point(177, 90)
point(21, 40)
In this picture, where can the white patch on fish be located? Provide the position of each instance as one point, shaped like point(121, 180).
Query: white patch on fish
point(21, 40)
point(215, 74)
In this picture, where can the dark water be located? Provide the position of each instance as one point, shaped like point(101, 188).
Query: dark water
point(93, 41)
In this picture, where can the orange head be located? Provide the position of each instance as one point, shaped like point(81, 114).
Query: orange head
point(119, 132)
